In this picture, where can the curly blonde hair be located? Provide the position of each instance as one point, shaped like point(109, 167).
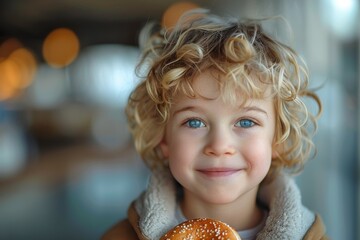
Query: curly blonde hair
point(171, 60)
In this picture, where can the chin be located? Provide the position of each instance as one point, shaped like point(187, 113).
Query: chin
point(220, 199)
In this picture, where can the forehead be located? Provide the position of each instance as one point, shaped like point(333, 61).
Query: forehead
point(208, 84)
point(213, 84)
point(226, 91)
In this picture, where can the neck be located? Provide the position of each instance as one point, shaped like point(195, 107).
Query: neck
point(241, 214)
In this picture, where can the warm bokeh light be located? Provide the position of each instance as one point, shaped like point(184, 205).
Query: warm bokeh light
point(174, 12)
point(27, 65)
point(9, 46)
point(9, 78)
point(16, 72)
point(61, 47)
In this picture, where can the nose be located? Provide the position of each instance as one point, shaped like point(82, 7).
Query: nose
point(220, 142)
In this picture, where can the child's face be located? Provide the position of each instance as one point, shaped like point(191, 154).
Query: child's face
point(216, 151)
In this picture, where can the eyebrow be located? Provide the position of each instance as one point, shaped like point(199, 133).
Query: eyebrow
point(245, 109)
point(254, 108)
point(187, 108)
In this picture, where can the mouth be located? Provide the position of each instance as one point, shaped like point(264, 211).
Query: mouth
point(218, 172)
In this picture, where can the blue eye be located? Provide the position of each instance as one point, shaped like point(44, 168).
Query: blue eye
point(194, 123)
point(245, 123)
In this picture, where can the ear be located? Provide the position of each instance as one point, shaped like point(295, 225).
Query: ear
point(277, 149)
point(274, 154)
point(164, 148)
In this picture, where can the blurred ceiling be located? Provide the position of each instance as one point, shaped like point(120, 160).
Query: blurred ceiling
point(95, 21)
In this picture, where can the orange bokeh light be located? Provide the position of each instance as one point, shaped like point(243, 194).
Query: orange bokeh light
point(173, 13)
point(27, 65)
point(10, 45)
point(60, 47)
point(9, 75)
point(17, 71)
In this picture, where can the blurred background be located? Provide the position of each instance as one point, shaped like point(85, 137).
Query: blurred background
point(68, 169)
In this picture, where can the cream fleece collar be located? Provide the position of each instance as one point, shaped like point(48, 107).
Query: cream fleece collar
point(288, 218)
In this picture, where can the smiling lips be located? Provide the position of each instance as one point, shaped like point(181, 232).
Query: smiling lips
point(218, 172)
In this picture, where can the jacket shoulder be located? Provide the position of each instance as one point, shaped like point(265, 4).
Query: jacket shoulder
point(120, 231)
point(317, 230)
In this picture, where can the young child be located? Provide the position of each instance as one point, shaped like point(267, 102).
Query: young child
point(220, 121)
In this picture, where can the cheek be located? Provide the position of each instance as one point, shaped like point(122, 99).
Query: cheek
point(178, 149)
point(182, 154)
point(181, 160)
point(259, 155)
